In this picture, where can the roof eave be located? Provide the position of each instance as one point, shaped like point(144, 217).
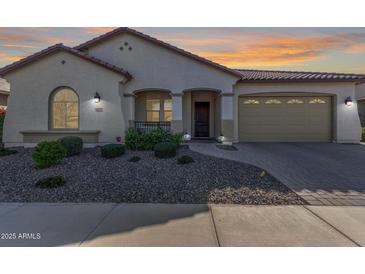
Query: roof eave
point(57, 48)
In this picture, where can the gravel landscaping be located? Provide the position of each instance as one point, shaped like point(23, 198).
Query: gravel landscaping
point(91, 178)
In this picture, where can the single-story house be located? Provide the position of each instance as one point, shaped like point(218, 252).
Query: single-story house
point(124, 78)
point(4, 93)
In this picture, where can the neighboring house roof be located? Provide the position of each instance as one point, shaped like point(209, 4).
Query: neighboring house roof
point(60, 47)
point(295, 76)
point(160, 43)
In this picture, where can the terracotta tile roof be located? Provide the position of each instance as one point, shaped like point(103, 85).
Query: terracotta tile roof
point(163, 44)
point(295, 76)
point(61, 47)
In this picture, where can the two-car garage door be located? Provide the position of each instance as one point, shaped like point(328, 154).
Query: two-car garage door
point(285, 119)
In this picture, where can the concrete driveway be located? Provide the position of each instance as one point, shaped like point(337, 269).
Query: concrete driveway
point(323, 174)
point(98, 224)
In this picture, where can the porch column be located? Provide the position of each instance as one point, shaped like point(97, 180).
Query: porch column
point(227, 114)
point(129, 107)
point(177, 116)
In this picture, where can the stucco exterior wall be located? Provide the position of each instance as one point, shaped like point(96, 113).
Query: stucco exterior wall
point(3, 99)
point(360, 97)
point(360, 91)
point(154, 67)
point(346, 122)
point(32, 85)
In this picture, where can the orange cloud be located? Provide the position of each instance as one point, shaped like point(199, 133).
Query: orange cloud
point(356, 48)
point(260, 49)
point(6, 58)
point(17, 46)
point(97, 30)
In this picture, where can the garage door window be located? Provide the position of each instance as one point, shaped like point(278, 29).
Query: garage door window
point(273, 102)
point(295, 101)
point(317, 101)
point(251, 102)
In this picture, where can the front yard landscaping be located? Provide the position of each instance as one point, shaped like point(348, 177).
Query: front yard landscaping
point(91, 178)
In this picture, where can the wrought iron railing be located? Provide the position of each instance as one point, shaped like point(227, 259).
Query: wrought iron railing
point(145, 126)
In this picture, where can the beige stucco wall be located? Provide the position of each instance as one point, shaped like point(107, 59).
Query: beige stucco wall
point(155, 67)
point(3, 99)
point(360, 91)
point(346, 122)
point(32, 85)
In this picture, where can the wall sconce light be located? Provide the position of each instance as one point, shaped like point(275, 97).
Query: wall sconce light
point(187, 136)
point(97, 98)
point(348, 101)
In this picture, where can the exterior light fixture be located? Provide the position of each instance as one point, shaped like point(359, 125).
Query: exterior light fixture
point(187, 136)
point(221, 138)
point(348, 101)
point(97, 98)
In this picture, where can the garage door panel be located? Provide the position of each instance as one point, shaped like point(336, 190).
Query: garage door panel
point(285, 119)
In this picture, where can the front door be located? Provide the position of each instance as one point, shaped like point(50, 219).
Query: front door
point(201, 119)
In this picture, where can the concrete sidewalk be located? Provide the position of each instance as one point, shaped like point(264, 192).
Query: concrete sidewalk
point(97, 224)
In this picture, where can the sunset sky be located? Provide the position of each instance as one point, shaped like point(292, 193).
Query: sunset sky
point(309, 49)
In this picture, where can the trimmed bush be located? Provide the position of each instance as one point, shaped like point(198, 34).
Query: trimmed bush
point(363, 134)
point(6, 152)
point(165, 150)
point(47, 154)
point(112, 150)
point(176, 138)
point(72, 144)
point(132, 139)
point(51, 182)
point(134, 159)
point(185, 159)
point(136, 140)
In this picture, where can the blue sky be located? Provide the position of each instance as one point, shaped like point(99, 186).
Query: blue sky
point(309, 49)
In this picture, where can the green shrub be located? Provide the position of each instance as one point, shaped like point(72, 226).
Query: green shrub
point(132, 137)
point(363, 134)
point(6, 152)
point(136, 140)
point(112, 150)
point(47, 154)
point(176, 138)
point(72, 144)
point(185, 159)
point(51, 182)
point(134, 159)
point(165, 150)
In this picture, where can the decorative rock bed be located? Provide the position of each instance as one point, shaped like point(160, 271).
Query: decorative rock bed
point(91, 178)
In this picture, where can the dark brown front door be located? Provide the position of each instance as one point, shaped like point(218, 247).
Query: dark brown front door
point(201, 119)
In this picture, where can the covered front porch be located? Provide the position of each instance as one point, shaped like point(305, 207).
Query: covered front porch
point(197, 112)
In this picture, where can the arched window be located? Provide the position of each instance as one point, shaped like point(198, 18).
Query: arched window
point(65, 109)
